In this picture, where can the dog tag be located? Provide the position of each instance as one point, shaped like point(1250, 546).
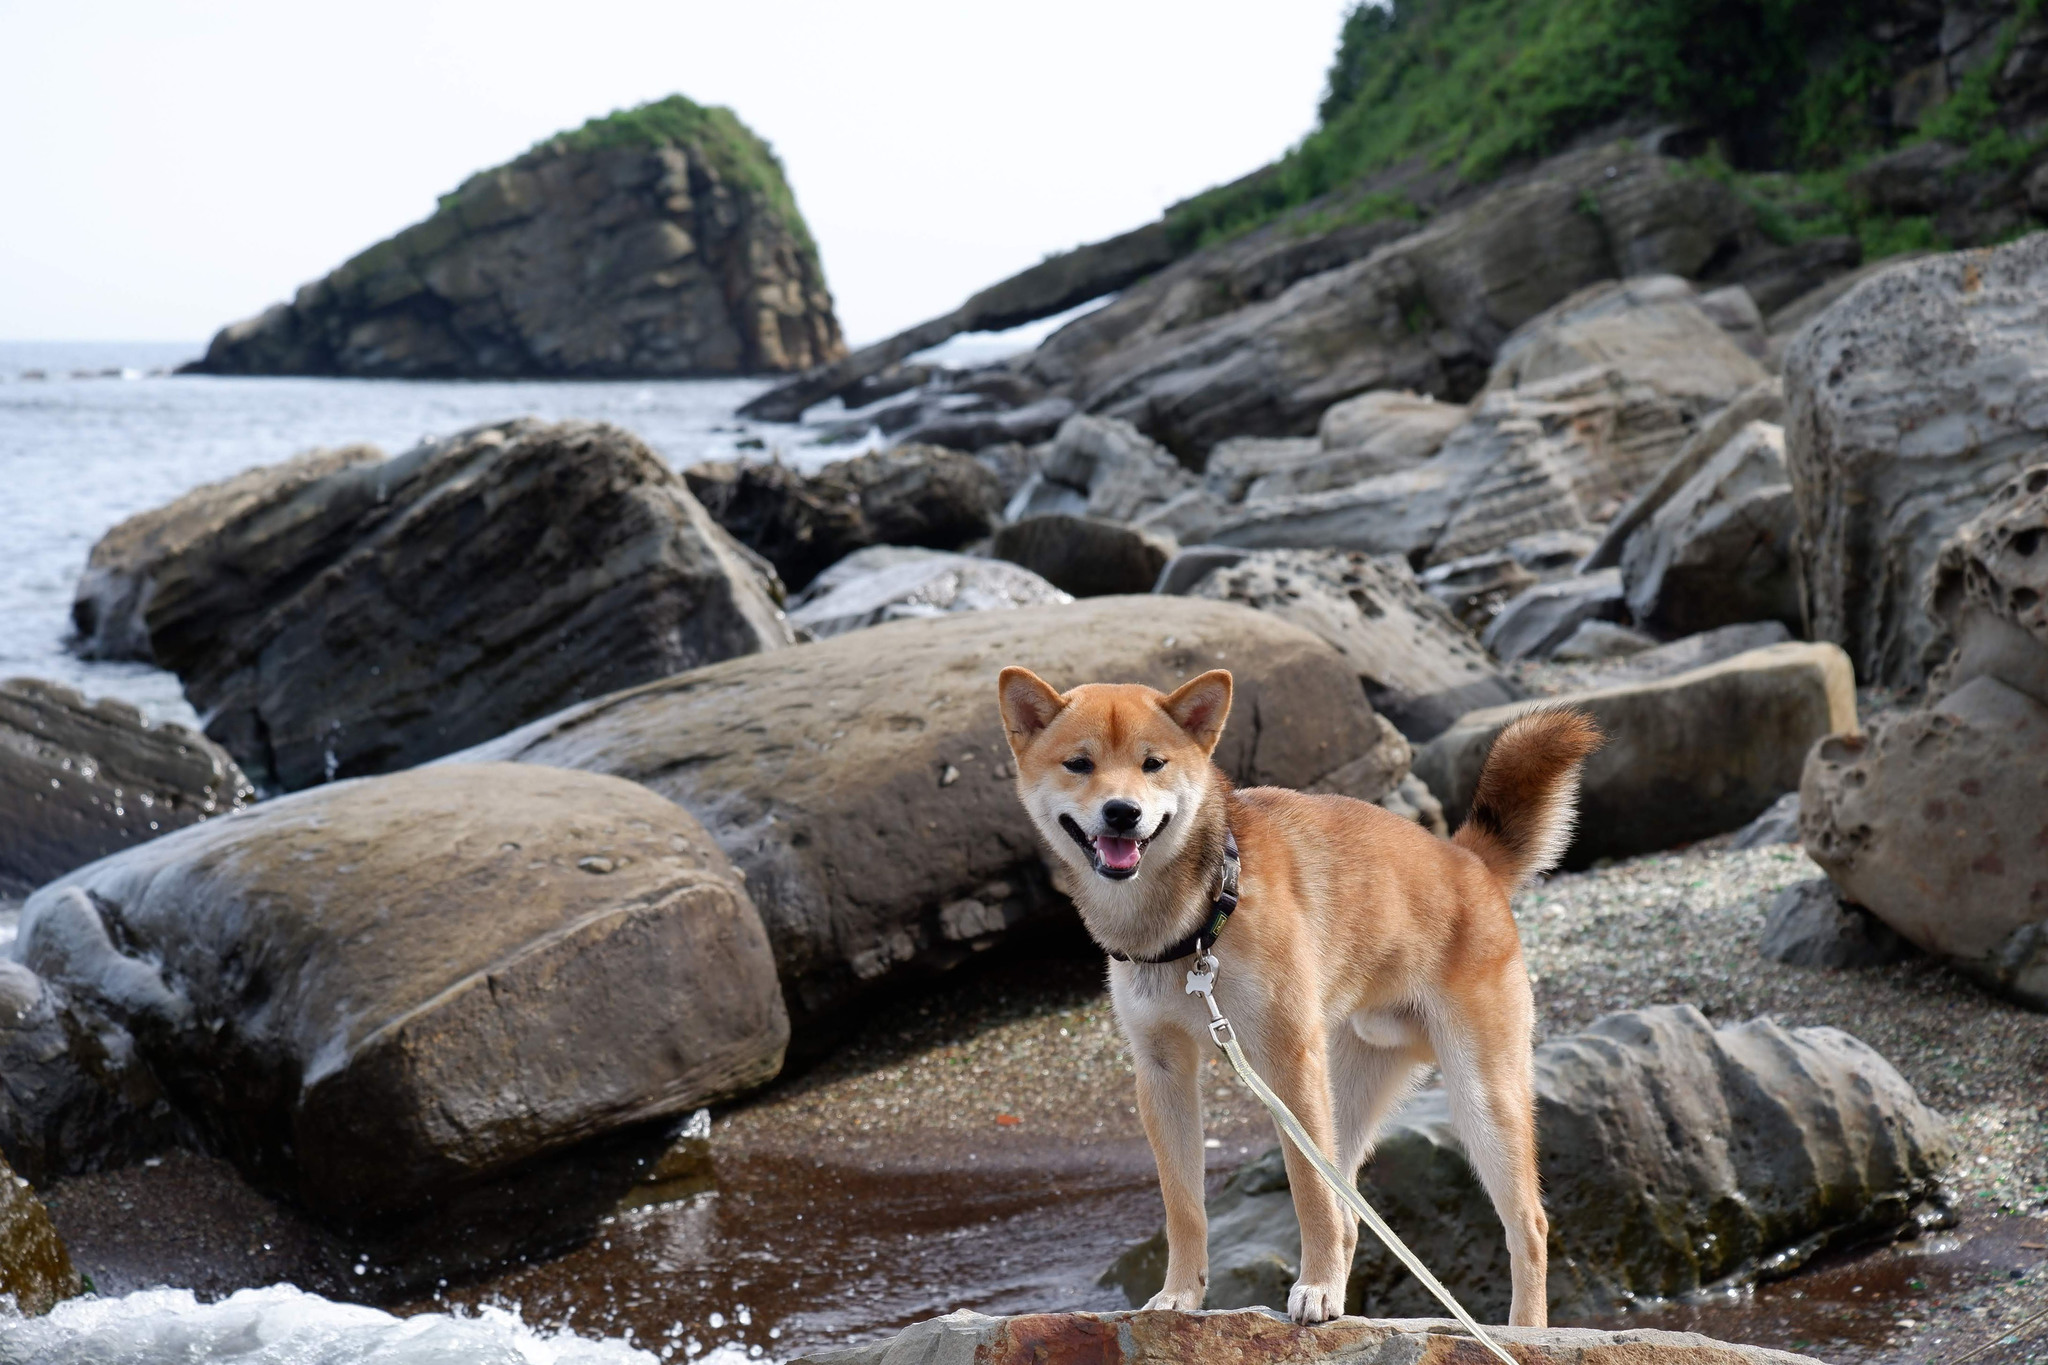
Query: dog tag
point(1202, 978)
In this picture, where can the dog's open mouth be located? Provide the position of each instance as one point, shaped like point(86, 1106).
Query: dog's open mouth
point(1112, 856)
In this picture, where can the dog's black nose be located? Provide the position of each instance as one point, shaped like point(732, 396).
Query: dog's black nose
point(1120, 816)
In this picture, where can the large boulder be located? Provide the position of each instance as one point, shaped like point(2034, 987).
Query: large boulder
point(1719, 552)
point(1420, 668)
point(163, 553)
point(1673, 1155)
point(1651, 329)
point(932, 583)
point(966, 1337)
point(661, 240)
point(1934, 823)
point(1686, 757)
point(917, 495)
point(35, 1269)
point(1909, 401)
point(864, 785)
point(378, 993)
point(79, 780)
point(1427, 311)
point(387, 613)
point(1084, 556)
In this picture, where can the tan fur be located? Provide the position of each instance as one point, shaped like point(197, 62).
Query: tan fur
point(1364, 949)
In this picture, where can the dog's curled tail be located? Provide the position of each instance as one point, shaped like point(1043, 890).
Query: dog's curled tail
point(1527, 803)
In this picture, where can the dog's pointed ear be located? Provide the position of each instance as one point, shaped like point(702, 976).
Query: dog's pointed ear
point(1029, 705)
point(1200, 706)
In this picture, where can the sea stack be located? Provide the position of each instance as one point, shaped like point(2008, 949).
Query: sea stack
point(660, 241)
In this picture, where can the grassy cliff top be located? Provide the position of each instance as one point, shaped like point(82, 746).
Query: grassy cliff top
point(1475, 85)
point(713, 134)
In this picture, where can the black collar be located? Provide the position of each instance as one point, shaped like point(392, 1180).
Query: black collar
point(1220, 908)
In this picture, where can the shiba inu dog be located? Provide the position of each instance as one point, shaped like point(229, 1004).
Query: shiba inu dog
point(1365, 948)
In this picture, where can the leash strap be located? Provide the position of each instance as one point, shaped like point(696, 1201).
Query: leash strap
point(1221, 906)
point(1202, 982)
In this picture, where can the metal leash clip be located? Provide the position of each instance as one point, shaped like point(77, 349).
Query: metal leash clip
point(1202, 982)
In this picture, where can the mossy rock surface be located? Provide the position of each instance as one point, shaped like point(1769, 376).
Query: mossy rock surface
point(35, 1269)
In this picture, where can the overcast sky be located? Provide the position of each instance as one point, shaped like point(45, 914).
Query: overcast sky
point(169, 167)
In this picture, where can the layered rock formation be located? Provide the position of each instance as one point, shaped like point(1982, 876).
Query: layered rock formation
point(79, 781)
point(662, 240)
point(1673, 1155)
point(864, 785)
point(336, 621)
point(379, 993)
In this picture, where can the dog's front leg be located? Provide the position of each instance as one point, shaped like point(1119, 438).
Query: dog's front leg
point(1170, 1103)
point(1297, 1067)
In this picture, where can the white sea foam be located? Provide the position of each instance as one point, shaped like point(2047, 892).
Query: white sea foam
point(283, 1325)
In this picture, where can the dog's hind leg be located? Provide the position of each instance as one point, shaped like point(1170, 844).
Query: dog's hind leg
point(1367, 1082)
point(1170, 1105)
point(1482, 1044)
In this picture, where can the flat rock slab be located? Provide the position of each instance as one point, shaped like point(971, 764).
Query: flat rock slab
point(1249, 1337)
point(81, 780)
point(864, 785)
point(1686, 757)
point(381, 990)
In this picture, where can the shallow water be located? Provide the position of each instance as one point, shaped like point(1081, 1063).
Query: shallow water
point(80, 451)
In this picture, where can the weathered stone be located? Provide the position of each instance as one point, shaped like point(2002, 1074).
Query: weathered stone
point(1121, 472)
point(1420, 668)
point(1779, 824)
point(379, 992)
point(916, 495)
point(1697, 651)
point(1028, 425)
point(1547, 615)
point(1083, 556)
point(1719, 552)
point(140, 574)
point(1989, 592)
point(1735, 312)
point(931, 585)
point(1937, 822)
point(1651, 330)
point(1376, 775)
point(1381, 432)
point(1411, 799)
point(1673, 1155)
point(1235, 465)
point(1763, 402)
point(823, 771)
point(1475, 588)
point(1810, 925)
point(1191, 565)
point(659, 241)
point(1596, 640)
point(35, 1269)
point(1254, 1338)
point(1424, 312)
point(1686, 757)
point(1910, 401)
point(79, 781)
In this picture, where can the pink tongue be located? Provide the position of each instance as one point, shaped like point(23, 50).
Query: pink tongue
point(1117, 853)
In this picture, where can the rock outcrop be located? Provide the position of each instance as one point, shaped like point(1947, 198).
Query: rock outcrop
point(1719, 552)
point(382, 614)
point(864, 786)
point(1084, 556)
point(35, 1269)
point(662, 240)
point(914, 495)
point(1652, 329)
point(79, 781)
point(1256, 1338)
point(379, 993)
point(1909, 401)
point(1543, 618)
point(1810, 925)
point(905, 584)
point(1689, 756)
point(1420, 668)
point(1934, 820)
point(1102, 468)
point(1674, 1155)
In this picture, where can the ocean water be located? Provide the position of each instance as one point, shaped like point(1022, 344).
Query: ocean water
point(108, 432)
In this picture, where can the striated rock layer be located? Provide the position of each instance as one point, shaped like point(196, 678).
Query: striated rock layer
point(661, 240)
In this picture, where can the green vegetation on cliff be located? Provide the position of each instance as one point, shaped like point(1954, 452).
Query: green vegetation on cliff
point(1477, 85)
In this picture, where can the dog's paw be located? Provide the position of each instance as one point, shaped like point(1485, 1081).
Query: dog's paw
point(1174, 1301)
point(1313, 1303)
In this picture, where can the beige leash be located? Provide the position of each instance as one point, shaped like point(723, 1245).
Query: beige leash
point(1202, 982)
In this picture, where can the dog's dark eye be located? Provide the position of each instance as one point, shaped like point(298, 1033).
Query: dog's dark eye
point(1154, 764)
point(1079, 765)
